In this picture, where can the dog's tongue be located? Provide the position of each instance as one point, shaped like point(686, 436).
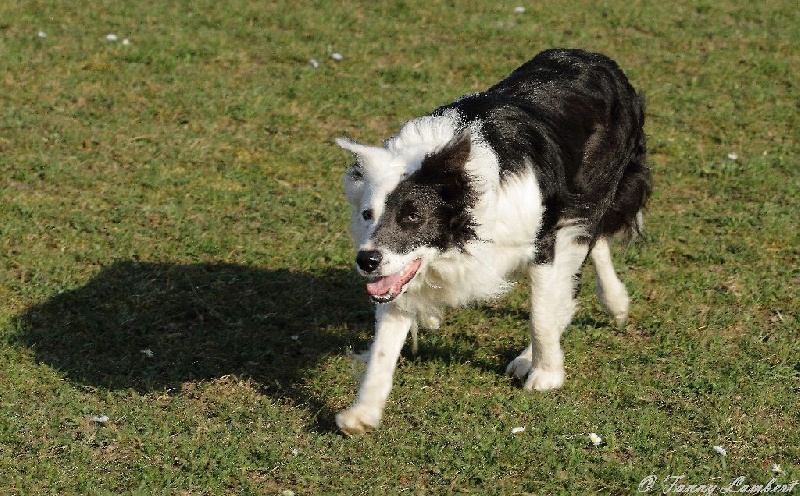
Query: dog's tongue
point(392, 284)
point(383, 285)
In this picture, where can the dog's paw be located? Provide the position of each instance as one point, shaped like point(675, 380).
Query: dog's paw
point(542, 380)
point(615, 300)
point(520, 366)
point(358, 420)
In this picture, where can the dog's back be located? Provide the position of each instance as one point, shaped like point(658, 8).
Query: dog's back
point(574, 119)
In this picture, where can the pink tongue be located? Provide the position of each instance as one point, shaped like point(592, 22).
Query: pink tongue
point(383, 285)
point(393, 284)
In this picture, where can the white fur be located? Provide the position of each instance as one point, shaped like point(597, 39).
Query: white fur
point(509, 217)
point(506, 211)
point(552, 308)
point(551, 288)
point(609, 290)
point(392, 326)
point(509, 222)
point(384, 167)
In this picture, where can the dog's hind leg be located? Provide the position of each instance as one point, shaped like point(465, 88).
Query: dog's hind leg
point(610, 290)
point(392, 327)
point(552, 306)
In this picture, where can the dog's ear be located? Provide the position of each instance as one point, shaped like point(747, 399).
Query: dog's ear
point(362, 153)
point(446, 167)
point(455, 155)
point(452, 158)
point(349, 145)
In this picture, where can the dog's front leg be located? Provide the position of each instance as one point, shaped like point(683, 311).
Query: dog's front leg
point(391, 328)
point(552, 307)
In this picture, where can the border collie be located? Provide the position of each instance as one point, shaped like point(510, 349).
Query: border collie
point(537, 172)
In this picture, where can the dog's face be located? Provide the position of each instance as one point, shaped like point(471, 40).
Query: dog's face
point(406, 211)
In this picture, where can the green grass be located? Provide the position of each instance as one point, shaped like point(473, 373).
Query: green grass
point(180, 194)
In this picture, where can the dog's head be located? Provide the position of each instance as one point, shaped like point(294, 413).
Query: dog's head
point(408, 206)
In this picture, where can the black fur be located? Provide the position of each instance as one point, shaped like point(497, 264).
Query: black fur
point(573, 117)
point(432, 206)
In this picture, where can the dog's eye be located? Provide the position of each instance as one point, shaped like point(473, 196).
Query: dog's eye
point(409, 215)
point(411, 218)
point(366, 214)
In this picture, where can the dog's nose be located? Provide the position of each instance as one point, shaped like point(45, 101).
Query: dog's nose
point(368, 260)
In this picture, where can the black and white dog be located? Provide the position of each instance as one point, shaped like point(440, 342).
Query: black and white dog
point(537, 172)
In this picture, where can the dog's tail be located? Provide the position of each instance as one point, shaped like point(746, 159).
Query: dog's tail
point(633, 191)
point(627, 208)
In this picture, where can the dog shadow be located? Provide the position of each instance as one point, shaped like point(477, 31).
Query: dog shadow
point(153, 326)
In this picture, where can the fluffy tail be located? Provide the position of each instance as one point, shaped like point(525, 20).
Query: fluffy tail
point(633, 191)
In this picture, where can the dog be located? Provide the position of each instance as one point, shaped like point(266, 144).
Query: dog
point(536, 173)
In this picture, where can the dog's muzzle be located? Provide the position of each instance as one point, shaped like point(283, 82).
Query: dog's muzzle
point(384, 288)
point(368, 260)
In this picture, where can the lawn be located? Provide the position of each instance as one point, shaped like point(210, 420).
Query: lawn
point(177, 299)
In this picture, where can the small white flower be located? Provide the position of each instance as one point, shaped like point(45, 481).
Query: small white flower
point(126, 42)
point(519, 10)
point(101, 419)
point(720, 450)
point(111, 37)
point(336, 56)
point(287, 492)
point(777, 468)
point(294, 338)
point(733, 156)
point(314, 63)
point(148, 353)
point(431, 322)
point(595, 439)
point(517, 430)
point(41, 34)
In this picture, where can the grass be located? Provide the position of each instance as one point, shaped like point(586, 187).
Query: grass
point(180, 194)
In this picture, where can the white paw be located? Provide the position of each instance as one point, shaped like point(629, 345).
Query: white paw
point(616, 301)
point(520, 366)
point(542, 380)
point(358, 420)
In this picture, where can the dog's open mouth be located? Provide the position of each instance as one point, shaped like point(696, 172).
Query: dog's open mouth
point(386, 288)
